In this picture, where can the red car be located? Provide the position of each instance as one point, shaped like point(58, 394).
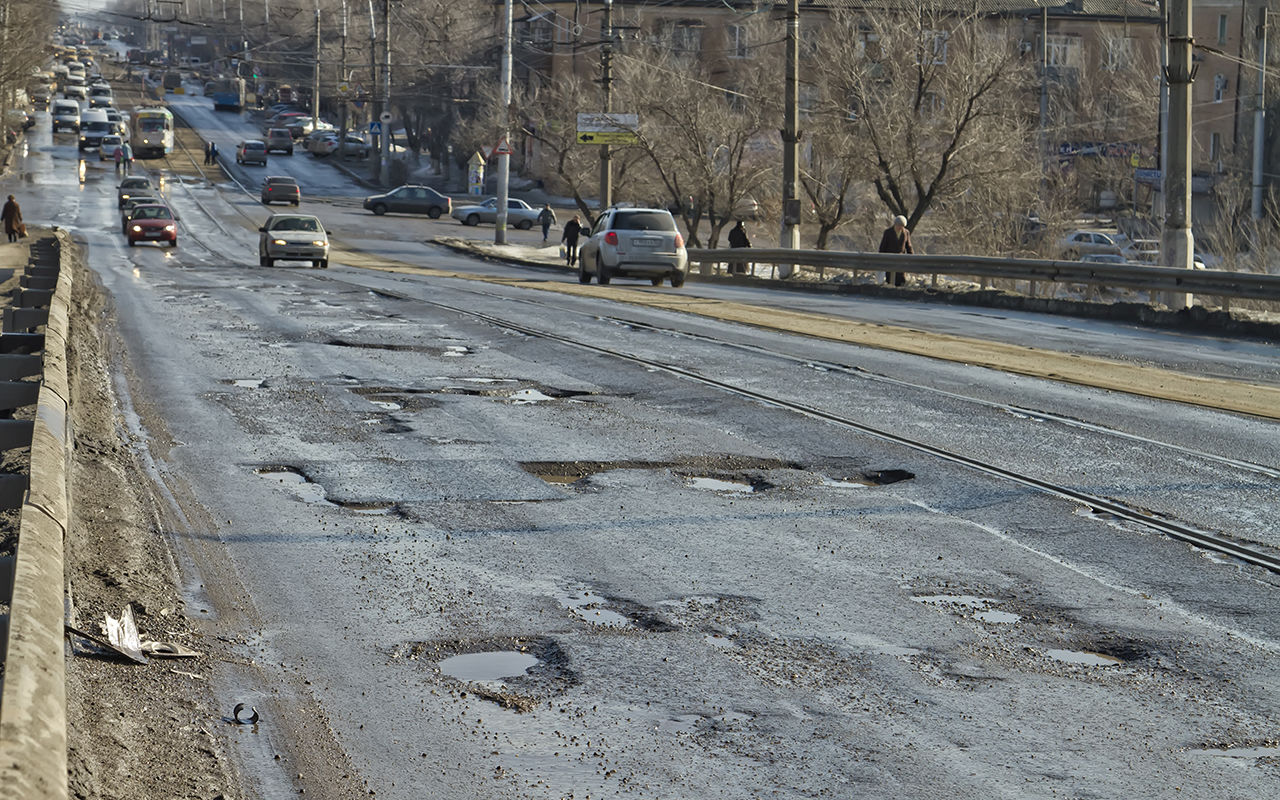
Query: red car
point(152, 224)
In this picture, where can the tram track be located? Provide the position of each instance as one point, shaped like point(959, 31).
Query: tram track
point(1210, 541)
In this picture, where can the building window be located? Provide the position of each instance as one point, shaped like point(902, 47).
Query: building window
point(1222, 29)
point(1219, 87)
point(933, 47)
point(1215, 146)
point(1063, 51)
point(737, 41)
point(683, 37)
point(1119, 53)
point(539, 32)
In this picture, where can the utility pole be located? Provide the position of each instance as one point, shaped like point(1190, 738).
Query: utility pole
point(384, 173)
point(342, 78)
point(1260, 116)
point(790, 238)
point(1044, 87)
point(1179, 246)
point(606, 82)
point(315, 81)
point(1159, 207)
point(504, 158)
point(373, 81)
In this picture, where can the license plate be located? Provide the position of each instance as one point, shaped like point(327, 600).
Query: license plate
point(154, 233)
point(645, 242)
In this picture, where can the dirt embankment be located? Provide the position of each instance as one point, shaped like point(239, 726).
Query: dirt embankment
point(135, 731)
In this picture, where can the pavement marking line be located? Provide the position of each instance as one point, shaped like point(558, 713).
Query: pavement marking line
point(1082, 370)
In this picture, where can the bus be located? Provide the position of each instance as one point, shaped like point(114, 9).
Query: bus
point(152, 132)
point(227, 94)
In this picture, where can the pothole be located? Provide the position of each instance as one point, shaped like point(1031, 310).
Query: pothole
point(455, 351)
point(371, 508)
point(246, 383)
point(567, 472)
point(592, 608)
point(722, 485)
point(979, 608)
point(1083, 658)
point(399, 348)
point(884, 477)
point(488, 666)
point(298, 484)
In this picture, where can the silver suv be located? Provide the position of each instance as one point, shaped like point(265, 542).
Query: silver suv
point(634, 243)
point(279, 140)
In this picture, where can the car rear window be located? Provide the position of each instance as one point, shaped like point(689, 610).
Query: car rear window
point(255, 146)
point(279, 132)
point(643, 221)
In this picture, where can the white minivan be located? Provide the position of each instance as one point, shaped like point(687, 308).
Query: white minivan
point(66, 115)
point(94, 125)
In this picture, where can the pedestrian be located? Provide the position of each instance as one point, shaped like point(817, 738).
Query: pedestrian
point(213, 153)
point(546, 219)
point(126, 151)
point(119, 158)
point(570, 239)
point(12, 216)
point(738, 238)
point(896, 239)
point(208, 153)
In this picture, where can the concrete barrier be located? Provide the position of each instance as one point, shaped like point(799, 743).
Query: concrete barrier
point(33, 703)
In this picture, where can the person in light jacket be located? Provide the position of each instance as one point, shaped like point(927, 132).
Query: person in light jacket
point(896, 239)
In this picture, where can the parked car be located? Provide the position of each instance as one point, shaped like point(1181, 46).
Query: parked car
point(110, 144)
point(325, 143)
point(293, 237)
point(301, 126)
point(1084, 242)
point(410, 200)
point(1103, 258)
point(279, 120)
point(252, 151)
point(131, 186)
point(141, 199)
point(279, 140)
point(634, 243)
point(154, 223)
point(281, 189)
point(519, 213)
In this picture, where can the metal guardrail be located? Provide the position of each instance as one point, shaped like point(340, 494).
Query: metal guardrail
point(1219, 283)
point(33, 710)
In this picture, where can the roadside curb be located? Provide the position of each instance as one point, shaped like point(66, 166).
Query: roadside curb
point(471, 249)
point(33, 705)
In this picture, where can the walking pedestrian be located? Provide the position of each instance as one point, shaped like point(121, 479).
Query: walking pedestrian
point(546, 219)
point(12, 216)
point(213, 153)
point(570, 239)
point(119, 158)
point(896, 239)
point(738, 238)
point(126, 151)
point(208, 153)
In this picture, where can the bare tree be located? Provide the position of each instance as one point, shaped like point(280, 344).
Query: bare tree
point(710, 146)
point(22, 22)
point(934, 100)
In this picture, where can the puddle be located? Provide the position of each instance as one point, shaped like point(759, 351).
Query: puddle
point(998, 617)
point(483, 380)
point(884, 477)
point(454, 351)
point(373, 508)
point(835, 484)
point(565, 472)
point(590, 607)
point(490, 666)
point(1083, 658)
point(387, 405)
point(247, 383)
point(719, 485)
point(526, 397)
point(297, 483)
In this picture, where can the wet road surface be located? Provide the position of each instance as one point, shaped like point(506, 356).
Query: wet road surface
point(484, 563)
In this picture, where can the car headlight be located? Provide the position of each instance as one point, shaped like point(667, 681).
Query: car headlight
point(170, 228)
point(320, 243)
point(137, 229)
point(279, 241)
point(124, 197)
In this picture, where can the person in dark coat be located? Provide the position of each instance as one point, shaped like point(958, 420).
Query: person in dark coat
point(546, 219)
point(738, 238)
point(208, 153)
point(896, 239)
point(12, 216)
point(570, 239)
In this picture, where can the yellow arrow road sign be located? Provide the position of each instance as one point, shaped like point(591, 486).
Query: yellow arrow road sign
point(608, 137)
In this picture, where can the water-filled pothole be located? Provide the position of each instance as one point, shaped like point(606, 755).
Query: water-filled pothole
point(980, 608)
point(592, 608)
point(723, 485)
point(566, 472)
point(488, 666)
point(402, 348)
point(296, 481)
point(246, 383)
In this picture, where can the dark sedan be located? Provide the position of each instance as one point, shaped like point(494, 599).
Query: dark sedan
point(411, 200)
